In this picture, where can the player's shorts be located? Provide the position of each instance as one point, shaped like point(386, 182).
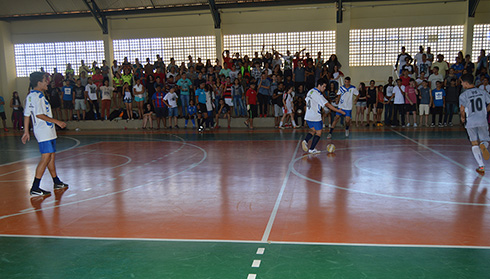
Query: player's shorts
point(278, 111)
point(229, 101)
point(347, 113)
point(139, 98)
point(371, 104)
point(288, 108)
point(380, 106)
point(252, 112)
point(2, 115)
point(317, 125)
point(361, 104)
point(47, 146)
point(173, 112)
point(80, 104)
point(202, 108)
point(423, 109)
point(478, 133)
point(67, 104)
point(161, 112)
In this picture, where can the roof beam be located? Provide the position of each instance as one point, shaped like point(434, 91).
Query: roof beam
point(472, 5)
point(97, 14)
point(340, 11)
point(215, 14)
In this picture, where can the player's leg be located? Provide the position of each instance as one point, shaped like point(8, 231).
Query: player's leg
point(347, 123)
point(337, 117)
point(308, 137)
point(484, 139)
point(229, 119)
point(473, 136)
point(316, 139)
point(52, 170)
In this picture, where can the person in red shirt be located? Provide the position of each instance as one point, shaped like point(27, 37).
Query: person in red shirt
point(227, 59)
point(380, 99)
point(405, 78)
point(57, 78)
point(411, 95)
point(251, 100)
point(98, 78)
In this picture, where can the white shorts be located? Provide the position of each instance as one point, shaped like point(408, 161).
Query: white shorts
point(80, 104)
point(288, 109)
point(229, 101)
point(278, 111)
point(423, 109)
point(478, 133)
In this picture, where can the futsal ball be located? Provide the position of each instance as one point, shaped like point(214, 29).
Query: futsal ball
point(331, 148)
point(300, 111)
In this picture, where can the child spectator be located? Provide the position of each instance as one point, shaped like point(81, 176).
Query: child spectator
point(148, 115)
point(128, 100)
point(202, 111)
point(139, 97)
point(379, 105)
point(223, 111)
point(251, 101)
point(411, 102)
point(424, 97)
point(452, 98)
point(210, 97)
point(185, 86)
point(191, 113)
point(67, 91)
point(160, 106)
point(173, 111)
point(437, 103)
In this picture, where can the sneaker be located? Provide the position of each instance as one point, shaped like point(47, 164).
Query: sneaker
point(450, 124)
point(346, 133)
point(432, 125)
point(39, 192)
point(440, 125)
point(480, 170)
point(246, 123)
point(60, 186)
point(282, 127)
point(304, 145)
point(313, 151)
point(484, 151)
point(445, 124)
point(176, 127)
point(329, 136)
point(403, 126)
point(5, 130)
point(408, 125)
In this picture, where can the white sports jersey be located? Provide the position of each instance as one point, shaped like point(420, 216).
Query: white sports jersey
point(288, 99)
point(474, 101)
point(346, 95)
point(314, 104)
point(36, 104)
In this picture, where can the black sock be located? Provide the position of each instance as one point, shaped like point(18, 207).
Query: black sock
point(56, 180)
point(347, 128)
point(316, 139)
point(308, 137)
point(35, 184)
point(331, 130)
point(199, 122)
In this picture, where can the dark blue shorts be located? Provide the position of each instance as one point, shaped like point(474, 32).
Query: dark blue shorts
point(47, 146)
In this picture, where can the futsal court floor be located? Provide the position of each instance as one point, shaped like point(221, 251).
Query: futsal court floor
point(389, 203)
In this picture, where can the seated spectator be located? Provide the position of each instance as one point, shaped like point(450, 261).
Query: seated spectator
point(223, 111)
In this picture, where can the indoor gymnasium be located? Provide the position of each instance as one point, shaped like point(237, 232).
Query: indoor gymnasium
point(245, 139)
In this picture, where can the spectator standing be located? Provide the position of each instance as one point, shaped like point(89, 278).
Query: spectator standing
point(371, 103)
point(67, 91)
point(105, 92)
point(80, 100)
point(452, 98)
point(442, 67)
point(17, 111)
point(399, 104)
point(299, 76)
point(105, 70)
point(263, 94)
point(117, 82)
point(53, 95)
point(161, 110)
point(139, 96)
point(411, 102)
point(388, 101)
point(93, 98)
point(424, 107)
point(251, 101)
point(2, 114)
point(173, 111)
point(238, 95)
point(435, 77)
point(437, 103)
point(185, 86)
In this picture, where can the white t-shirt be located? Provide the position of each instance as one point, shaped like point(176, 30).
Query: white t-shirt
point(209, 100)
point(399, 99)
point(171, 99)
point(433, 80)
point(37, 104)
point(92, 91)
point(314, 104)
point(138, 89)
point(106, 92)
point(418, 57)
point(486, 88)
point(346, 95)
point(389, 92)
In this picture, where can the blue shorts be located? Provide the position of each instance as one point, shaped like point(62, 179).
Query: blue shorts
point(317, 125)
point(47, 146)
point(347, 113)
point(173, 112)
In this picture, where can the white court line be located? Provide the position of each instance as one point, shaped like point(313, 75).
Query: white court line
point(249, 242)
point(268, 229)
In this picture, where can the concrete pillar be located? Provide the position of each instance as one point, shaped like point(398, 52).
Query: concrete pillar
point(218, 33)
point(468, 34)
point(109, 47)
point(342, 41)
point(7, 67)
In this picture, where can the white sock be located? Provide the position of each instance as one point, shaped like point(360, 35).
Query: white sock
point(294, 123)
point(280, 124)
point(477, 154)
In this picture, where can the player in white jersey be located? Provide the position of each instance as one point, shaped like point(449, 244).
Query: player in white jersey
point(38, 110)
point(345, 95)
point(287, 100)
point(473, 107)
point(315, 102)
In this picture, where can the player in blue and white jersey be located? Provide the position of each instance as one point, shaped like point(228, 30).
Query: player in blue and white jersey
point(345, 94)
point(474, 105)
point(38, 109)
point(315, 102)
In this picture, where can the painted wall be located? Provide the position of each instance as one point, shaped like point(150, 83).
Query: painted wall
point(376, 14)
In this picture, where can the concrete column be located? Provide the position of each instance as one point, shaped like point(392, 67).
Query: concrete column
point(342, 41)
point(108, 47)
point(468, 34)
point(7, 67)
point(218, 33)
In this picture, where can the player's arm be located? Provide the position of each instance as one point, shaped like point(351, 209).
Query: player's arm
point(329, 106)
point(463, 114)
point(26, 136)
point(52, 120)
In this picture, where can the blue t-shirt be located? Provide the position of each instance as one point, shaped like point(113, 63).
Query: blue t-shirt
point(2, 109)
point(191, 110)
point(438, 97)
point(185, 84)
point(458, 67)
point(67, 93)
point(201, 95)
point(265, 82)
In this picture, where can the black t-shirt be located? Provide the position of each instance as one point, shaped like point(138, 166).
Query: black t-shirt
point(54, 95)
point(278, 99)
point(226, 109)
point(79, 92)
point(372, 95)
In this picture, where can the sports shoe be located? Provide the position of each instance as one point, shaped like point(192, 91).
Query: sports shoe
point(304, 145)
point(445, 124)
point(60, 186)
point(5, 129)
point(450, 124)
point(440, 125)
point(176, 127)
point(408, 125)
point(415, 125)
point(432, 125)
point(313, 151)
point(39, 192)
point(480, 170)
point(282, 127)
point(329, 136)
point(484, 151)
point(346, 133)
